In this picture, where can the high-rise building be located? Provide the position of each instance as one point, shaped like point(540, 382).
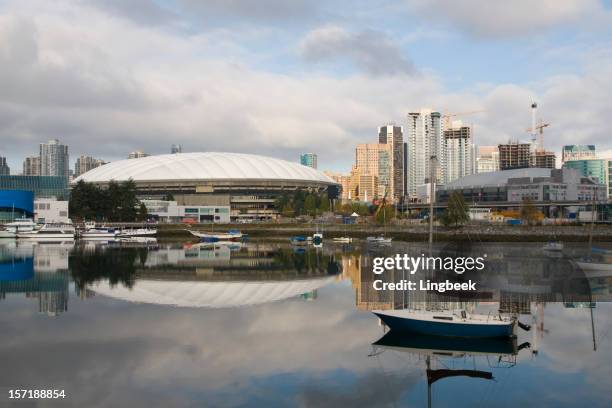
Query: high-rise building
point(487, 159)
point(544, 159)
point(374, 159)
point(405, 169)
point(4, 168)
point(363, 185)
point(31, 166)
point(393, 137)
point(54, 159)
point(458, 152)
point(308, 159)
point(176, 148)
point(137, 154)
point(85, 163)
point(514, 155)
point(424, 138)
point(343, 180)
point(578, 152)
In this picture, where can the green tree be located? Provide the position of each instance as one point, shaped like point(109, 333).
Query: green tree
point(385, 214)
point(142, 212)
point(457, 212)
point(529, 213)
point(324, 204)
point(310, 205)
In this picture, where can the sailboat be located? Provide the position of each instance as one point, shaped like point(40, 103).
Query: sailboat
point(381, 239)
point(456, 323)
point(596, 264)
point(430, 319)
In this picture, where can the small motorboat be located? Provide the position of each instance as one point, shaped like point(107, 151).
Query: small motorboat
point(21, 225)
point(231, 235)
point(553, 246)
point(299, 240)
point(379, 240)
point(92, 231)
point(4, 233)
point(138, 240)
point(593, 269)
point(457, 323)
point(343, 240)
point(137, 232)
point(49, 232)
point(317, 238)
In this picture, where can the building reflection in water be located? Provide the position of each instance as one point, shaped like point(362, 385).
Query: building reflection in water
point(206, 275)
point(39, 272)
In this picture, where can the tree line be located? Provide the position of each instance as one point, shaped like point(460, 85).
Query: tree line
point(116, 203)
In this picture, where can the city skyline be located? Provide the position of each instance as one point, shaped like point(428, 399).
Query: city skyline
point(138, 74)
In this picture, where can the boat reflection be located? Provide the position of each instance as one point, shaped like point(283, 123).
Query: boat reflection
point(476, 358)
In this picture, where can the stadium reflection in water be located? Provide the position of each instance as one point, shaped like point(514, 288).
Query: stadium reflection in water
point(269, 324)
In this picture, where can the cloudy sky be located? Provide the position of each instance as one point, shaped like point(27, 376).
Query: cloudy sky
point(279, 78)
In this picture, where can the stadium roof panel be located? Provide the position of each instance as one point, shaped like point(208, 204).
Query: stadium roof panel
point(203, 166)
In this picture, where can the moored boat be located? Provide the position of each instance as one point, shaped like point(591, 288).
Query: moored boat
point(379, 240)
point(137, 232)
point(448, 323)
point(49, 232)
point(98, 232)
point(4, 233)
point(21, 225)
point(231, 235)
point(299, 240)
point(553, 246)
point(343, 240)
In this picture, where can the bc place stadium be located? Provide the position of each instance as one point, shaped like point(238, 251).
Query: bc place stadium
point(212, 186)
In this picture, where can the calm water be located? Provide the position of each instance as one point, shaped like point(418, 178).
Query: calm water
point(265, 324)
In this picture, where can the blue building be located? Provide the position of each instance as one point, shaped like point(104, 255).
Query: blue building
point(16, 204)
point(42, 186)
point(308, 159)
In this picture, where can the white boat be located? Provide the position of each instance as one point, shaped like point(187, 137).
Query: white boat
point(379, 240)
point(4, 233)
point(317, 238)
point(343, 240)
point(553, 246)
point(21, 225)
point(231, 235)
point(593, 269)
point(137, 232)
point(49, 232)
point(138, 240)
point(457, 323)
point(95, 232)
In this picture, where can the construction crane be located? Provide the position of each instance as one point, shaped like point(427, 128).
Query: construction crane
point(539, 129)
point(447, 117)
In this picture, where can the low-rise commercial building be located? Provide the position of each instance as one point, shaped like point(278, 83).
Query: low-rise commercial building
point(48, 210)
point(170, 211)
point(514, 186)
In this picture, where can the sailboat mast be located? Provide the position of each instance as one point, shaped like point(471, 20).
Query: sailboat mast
point(432, 194)
point(592, 220)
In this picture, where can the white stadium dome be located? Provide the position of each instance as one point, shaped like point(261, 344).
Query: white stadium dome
point(209, 294)
point(203, 166)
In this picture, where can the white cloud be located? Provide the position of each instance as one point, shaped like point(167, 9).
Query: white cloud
point(371, 51)
point(107, 86)
point(511, 18)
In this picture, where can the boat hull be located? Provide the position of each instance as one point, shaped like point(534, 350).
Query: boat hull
point(450, 329)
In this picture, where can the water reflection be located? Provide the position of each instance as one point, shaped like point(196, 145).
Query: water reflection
point(38, 272)
point(245, 337)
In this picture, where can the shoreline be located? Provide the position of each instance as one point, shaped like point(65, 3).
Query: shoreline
point(410, 233)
